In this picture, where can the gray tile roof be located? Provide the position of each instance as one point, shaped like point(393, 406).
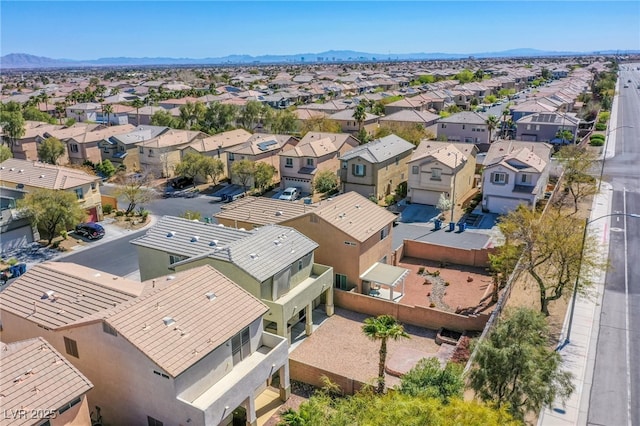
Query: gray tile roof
point(56, 294)
point(41, 175)
point(260, 252)
point(203, 321)
point(262, 211)
point(465, 117)
point(139, 134)
point(36, 376)
point(380, 150)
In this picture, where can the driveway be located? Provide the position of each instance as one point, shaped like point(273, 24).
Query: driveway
point(418, 213)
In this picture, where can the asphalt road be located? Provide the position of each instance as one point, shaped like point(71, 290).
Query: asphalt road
point(615, 391)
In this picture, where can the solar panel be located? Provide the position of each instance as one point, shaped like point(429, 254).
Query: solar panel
point(264, 146)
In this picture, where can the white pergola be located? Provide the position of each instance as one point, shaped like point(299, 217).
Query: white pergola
point(382, 280)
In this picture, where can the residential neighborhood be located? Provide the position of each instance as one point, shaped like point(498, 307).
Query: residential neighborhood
point(267, 234)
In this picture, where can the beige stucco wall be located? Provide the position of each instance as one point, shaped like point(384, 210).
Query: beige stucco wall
point(78, 415)
point(162, 162)
point(381, 179)
point(464, 178)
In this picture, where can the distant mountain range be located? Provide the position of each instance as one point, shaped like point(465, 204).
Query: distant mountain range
point(26, 61)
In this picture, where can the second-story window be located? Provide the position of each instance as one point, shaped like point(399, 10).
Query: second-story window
point(240, 346)
point(74, 147)
point(526, 179)
point(310, 162)
point(436, 174)
point(141, 150)
point(288, 162)
point(150, 153)
point(79, 193)
point(359, 170)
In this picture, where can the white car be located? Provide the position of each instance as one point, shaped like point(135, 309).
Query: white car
point(289, 194)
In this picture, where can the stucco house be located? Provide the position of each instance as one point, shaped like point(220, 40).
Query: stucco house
point(544, 127)
point(31, 175)
point(441, 167)
point(466, 126)
point(273, 263)
point(316, 151)
point(188, 348)
point(375, 169)
point(122, 149)
point(348, 124)
point(410, 117)
point(162, 153)
point(15, 227)
point(88, 111)
point(217, 145)
point(86, 146)
point(26, 148)
point(40, 385)
point(353, 234)
point(514, 173)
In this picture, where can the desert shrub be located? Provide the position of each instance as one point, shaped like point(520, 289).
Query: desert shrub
point(12, 261)
point(601, 126)
point(596, 142)
point(119, 213)
point(107, 209)
point(390, 199)
point(462, 352)
point(596, 137)
point(64, 234)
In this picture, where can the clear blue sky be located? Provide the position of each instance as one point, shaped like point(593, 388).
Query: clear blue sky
point(93, 29)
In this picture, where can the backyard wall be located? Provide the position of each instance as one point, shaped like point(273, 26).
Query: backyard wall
point(422, 250)
point(312, 375)
point(109, 200)
point(415, 315)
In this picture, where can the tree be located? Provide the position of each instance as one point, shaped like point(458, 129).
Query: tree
point(244, 171)
point(429, 379)
point(5, 153)
point(106, 168)
point(52, 211)
point(320, 124)
point(191, 114)
point(478, 75)
point(50, 149)
point(34, 114)
point(263, 175)
point(250, 115)
point(501, 264)
point(515, 368)
point(492, 123)
point(60, 110)
point(164, 119)
point(464, 76)
point(44, 97)
point(137, 104)
point(325, 181)
point(281, 122)
point(212, 168)
point(13, 125)
point(578, 164)
point(413, 133)
point(552, 251)
point(107, 109)
point(565, 136)
point(360, 115)
point(383, 328)
point(135, 189)
point(190, 166)
point(219, 118)
point(444, 205)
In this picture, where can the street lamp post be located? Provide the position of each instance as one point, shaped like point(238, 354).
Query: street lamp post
point(574, 296)
point(604, 152)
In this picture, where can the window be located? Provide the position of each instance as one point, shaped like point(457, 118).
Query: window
point(93, 186)
point(108, 329)
point(537, 127)
point(384, 233)
point(240, 346)
point(349, 243)
point(141, 150)
point(526, 179)
point(174, 258)
point(121, 148)
point(443, 126)
point(463, 126)
point(69, 405)
point(528, 126)
point(499, 178)
point(153, 422)
point(358, 169)
point(105, 150)
point(71, 347)
point(397, 161)
point(436, 174)
point(74, 147)
point(157, 373)
point(345, 165)
point(300, 265)
point(341, 281)
point(414, 170)
point(288, 162)
point(231, 156)
point(79, 193)
point(150, 153)
point(310, 162)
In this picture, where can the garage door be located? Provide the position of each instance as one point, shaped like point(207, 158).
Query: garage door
point(302, 184)
point(16, 238)
point(503, 205)
point(421, 196)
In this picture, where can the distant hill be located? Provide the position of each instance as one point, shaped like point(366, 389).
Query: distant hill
point(24, 60)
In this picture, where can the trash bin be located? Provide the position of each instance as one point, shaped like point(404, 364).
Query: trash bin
point(452, 226)
point(207, 220)
point(462, 226)
point(307, 200)
point(438, 224)
point(14, 271)
point(22, 268)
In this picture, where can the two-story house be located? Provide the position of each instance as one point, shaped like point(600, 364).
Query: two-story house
point(410, 117)
point(26, 148)
point(546, 127)
point(273, 263)
point(122, 149)
point(88, 111)
point(161, 154)
point(466, 126)
point(441, 167)
point(39, 386)
point(348, 124)
point(259, 148)
point(217, 145)
point(31, 175)
point(187, 349)
point(316, 151)
point(85, 146)
point(514, 173)
point(375, 169)
point(15, 227)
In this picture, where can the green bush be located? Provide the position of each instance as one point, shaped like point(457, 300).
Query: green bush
point(64, 234)
point(390, 199)
point(604, 117)
point(12, 261)
point(119, 213)
point(596, 137)
point(596, 142)
point(107, 209)
point(601, 126)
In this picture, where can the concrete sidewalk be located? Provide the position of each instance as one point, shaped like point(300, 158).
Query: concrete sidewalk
point(579, 354)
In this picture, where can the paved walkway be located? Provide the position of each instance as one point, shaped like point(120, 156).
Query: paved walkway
point(579, 354)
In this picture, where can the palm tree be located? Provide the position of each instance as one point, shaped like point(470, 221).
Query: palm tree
point(360, 114)
point(383, 328)
point(137, 104)
point(43, 97)
point(60, 109)
point(505, 114)
point(492, 122)
point(107, 109)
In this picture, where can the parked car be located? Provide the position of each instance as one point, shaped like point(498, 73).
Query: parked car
point(90, 230)
point(181, 182)
point(289, 194)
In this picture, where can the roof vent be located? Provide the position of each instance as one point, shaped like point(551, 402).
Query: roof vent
point(170, 277)
point(254, 255)
point(195, 239)
point(276, 242)
point(171, 234)
point(221, 225)
point(278, 213)
point(49, 294)
point(21, 171)
point(357, 206)
point(41, 176)
point(12, 169)
point(168, 321)
point(213, 243)
point(211, 296)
